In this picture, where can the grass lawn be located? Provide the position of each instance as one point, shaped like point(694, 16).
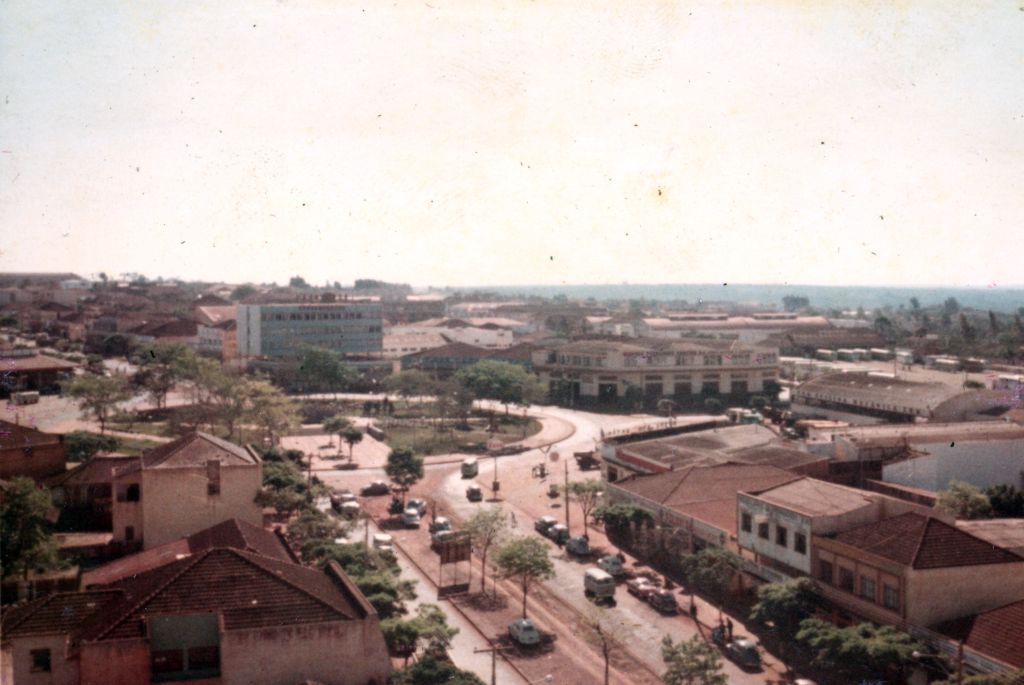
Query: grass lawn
point(425, 440)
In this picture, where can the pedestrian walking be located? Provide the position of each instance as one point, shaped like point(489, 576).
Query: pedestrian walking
point(512, 516)
point(728, 628)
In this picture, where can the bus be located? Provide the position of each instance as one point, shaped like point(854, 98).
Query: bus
point(470, 468)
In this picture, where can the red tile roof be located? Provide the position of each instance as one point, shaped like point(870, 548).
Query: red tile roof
point(707, 493)
point(249, 590)
point(233, 533)
point(100, 469)
point(14, 436)
point(923, 542)
point(39, 362)
point(998, 633)
point(453, 350)
point(55, 614)
point(196, 449)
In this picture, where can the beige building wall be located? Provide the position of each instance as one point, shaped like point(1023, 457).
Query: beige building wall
point(176, 501)
point(942, 594)
point(127, 514)
point(330, 653)
point(17, 658)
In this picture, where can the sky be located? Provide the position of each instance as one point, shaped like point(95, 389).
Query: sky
point(482, 143)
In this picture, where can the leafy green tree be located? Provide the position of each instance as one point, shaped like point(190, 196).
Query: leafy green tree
point(352, 437)
point(485, 528)
point(793, 303)
point(297, 282)
point(410, 383)
point(337, 425)
point(82, 445)
point(618, 517)
point(1006, 501)
point(862, 651)
point(26, 542)
point(966, 329)
point(401, 636)
point(711, 571)
point(501, 382)
point(404, 468)
point(242, 292)
point(784, 604)
point(432, 671)
point(385, 592)
point(323, 370)
point(161, 366)
point(98, 396)
point(270, 410)
point(950, 306)
point(691, 662)
point(587, 494)
point(526, 560)
point(963, 501)
point(432, 626)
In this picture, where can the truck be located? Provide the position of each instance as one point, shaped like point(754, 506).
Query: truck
point(598, 585)
point(26, 397)
point(587, 461)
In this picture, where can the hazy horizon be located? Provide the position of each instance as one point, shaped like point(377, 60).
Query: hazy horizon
point(519, 142)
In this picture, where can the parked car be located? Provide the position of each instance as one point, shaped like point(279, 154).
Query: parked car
point(524, 632)
point(440, 536)
point(339, 498)
point(578, 545)
point(598, 585)
point(558, 533)
point(411, 518)
point(611, 565)
point(349, 509)
point(640, 587)
point(419, 505)
point(474, 493)
point(383, 542)
point(543, 523)
point(664, 601)
point(744, 652)
point(440, 523)
point(377, 487)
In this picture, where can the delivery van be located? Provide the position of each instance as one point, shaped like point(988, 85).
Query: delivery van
point(598, 585)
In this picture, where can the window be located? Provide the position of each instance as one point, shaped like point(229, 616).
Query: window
point(184, 646)
point(867, 588)
point(781, 536)
point(825, 571)
point(799, 543)
point(890, 597)
point(846, 579)
point(745, 522)
point(762, 531)
point(40, 660)
point(129, 533)
point(212, 477)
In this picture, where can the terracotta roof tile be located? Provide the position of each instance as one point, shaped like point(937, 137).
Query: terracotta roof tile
point(923, 542)
point(195, 449)
point(55, 614)
point(998, 633)
point(250, 590)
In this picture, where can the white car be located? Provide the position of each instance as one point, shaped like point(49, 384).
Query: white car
point(411, 518)
point(524, 632)
point(383, 542)
point(419, 505)
point(611, 565)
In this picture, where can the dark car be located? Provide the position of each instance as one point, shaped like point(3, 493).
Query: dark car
point(744, 653)
point(474, 493)
point(377, 487)
point(664, 601)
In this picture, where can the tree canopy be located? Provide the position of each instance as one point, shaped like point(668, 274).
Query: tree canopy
point(485, 528)
point(26, 542)
point(587, 493)
point(862, 651)
point(526, 560)
point(691, 662)
point(404, 468)
point(784, 604)
point(98, 396)
point(500, 381)
point(711, 570)
point(964, 501)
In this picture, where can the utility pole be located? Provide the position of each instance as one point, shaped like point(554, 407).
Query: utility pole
point(493, 649)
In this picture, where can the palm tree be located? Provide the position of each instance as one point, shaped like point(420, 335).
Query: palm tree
point(353, 436)
point(337, 425)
